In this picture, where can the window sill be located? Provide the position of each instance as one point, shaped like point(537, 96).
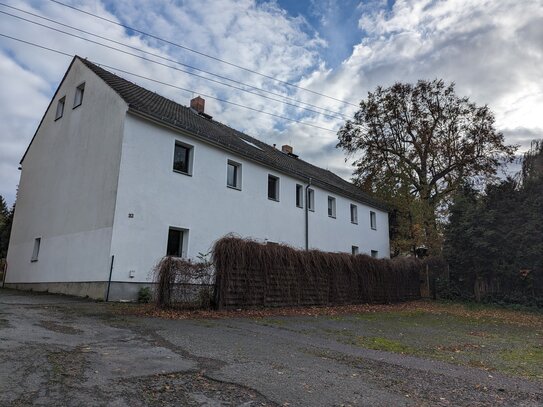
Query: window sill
point(354, 223)
point(76, 106)
point(234, 188)
point(273, 199)
point(188, 174)
point(330, 216)
point(58, 118)
point(311, 210)
point(33, 260)
point(373, 228)
point(298, 206)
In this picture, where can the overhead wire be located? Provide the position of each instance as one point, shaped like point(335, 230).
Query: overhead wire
point(298, 105)
point(202, 53)
point(171, 85)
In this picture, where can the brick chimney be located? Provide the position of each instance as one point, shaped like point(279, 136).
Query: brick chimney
point(198, 104)
point(287, 149)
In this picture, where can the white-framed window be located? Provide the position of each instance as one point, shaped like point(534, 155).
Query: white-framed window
point(299, 196)
point(331, 206)
point(311, 199)
point(182, 158)
point(36, 250)
point(273, 187)
point(60, 107)
point(354, 214)
point(233, 174)
point(373, 220)
point(177, 242)
point(78, 98)
point(375, 253)
point(354, 250)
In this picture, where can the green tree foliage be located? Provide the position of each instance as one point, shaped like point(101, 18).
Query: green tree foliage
point(494, 240)
point(416, 144)
point(6, 219)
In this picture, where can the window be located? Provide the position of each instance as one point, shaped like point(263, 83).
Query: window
point(233, 175)
point(299, 196)
point(373, 220)
point(36, 251)
point(331, 207)
point(177, 242)
point(354, 214)
point(60, 108)
point(354, 250)
point(374, 253)
point(78, 99)
point(273, 188)
point(311, 199)
point(182, 158)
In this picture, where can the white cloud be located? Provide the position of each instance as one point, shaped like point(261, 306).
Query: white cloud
point(493, 50)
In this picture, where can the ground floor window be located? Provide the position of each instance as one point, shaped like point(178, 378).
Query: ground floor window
point(374, 253)
point(354, 250)
point(177, 242)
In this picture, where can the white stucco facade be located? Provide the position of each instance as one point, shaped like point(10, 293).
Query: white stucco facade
point(98, 184)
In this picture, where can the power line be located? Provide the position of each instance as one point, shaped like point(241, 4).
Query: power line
point(171, 85)
point(202, 53)
point(164, 58)
point(335, 114)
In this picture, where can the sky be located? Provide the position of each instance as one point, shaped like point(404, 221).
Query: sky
point(334, 52)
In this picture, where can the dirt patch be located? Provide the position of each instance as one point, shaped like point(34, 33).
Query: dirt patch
point(59, 328)
point(193, 389)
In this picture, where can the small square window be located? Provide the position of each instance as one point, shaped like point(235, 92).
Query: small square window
point(60, 107)
point(177, 242)
point(331, 207)
point(311, 199)
point(36, 251)
point(373, 220)
point(233, 175)
point(182, 158)
point(354, 214)
point(299, 196)
point(354, 250)
point(79, 91)
point(273, 188)
point(374, 253)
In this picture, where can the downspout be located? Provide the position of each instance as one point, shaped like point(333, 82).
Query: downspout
point(109, 280)
point(307, 214)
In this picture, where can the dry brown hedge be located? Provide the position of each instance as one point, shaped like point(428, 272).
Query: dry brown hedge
point(249, 274)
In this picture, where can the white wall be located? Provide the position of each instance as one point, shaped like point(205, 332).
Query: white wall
point(202, 203)
point(68, 187)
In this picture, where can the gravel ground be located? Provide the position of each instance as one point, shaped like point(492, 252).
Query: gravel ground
point(57, 350)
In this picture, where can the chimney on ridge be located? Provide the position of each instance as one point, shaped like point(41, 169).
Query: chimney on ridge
point(287, 149)
point(198, 104)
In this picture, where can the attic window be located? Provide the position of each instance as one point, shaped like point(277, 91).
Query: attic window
point(79, 91)
point(251, 144)
point(60, 107)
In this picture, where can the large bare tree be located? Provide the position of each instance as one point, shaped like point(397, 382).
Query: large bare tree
point(422, 140)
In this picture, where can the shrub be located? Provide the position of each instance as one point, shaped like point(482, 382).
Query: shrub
point(144, 295)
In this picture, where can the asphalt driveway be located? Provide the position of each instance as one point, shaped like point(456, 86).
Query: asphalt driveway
point(57, 350)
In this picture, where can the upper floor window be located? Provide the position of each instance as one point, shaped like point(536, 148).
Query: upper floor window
point(299, 196)
point(273, 187)
point(354, 214)
point(310, 199)
point(79, 91)
point(331, 207)
point(182, 158)
point(373, 220)
point(60, 107)
point(233, 175)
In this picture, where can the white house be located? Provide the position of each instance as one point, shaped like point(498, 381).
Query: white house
point(117, 176)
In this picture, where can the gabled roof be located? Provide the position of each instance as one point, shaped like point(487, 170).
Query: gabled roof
point(158, 108)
